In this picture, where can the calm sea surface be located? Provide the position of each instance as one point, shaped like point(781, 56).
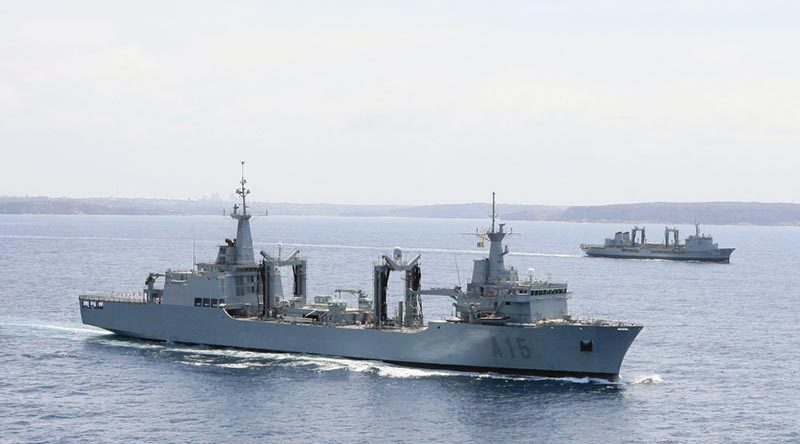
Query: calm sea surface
point(717, 361)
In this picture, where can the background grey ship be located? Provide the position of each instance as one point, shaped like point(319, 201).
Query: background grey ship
point(698, 247)
point(501, 323)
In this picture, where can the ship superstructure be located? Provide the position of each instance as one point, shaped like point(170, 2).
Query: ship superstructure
point(633, 245)
point(500, 323)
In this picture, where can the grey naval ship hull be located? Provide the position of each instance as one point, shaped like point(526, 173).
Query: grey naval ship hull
point(545, 349)
point(722, 255)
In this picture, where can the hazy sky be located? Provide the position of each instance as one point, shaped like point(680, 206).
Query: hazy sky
point(561, 102)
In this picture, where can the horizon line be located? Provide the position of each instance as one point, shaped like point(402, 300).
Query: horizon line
point(205, 198)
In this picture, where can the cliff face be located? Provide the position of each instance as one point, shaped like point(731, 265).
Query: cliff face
point(754, 213)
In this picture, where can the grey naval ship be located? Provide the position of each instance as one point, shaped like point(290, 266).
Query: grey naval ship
point(698, 247)
point(501, 324)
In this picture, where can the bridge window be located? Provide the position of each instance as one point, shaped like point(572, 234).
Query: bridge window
point(251, 281)
point(206, 302)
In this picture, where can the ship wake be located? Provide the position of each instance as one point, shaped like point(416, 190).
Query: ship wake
point(245, 360)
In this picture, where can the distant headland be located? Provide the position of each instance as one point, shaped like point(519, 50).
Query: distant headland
point(724, 213)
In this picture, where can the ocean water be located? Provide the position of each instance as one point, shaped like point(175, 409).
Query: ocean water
point(717, 361)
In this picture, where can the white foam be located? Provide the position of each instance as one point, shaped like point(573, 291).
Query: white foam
point(584, 380)
point(569, 379)
point(140, 345)
point(196, 364)
point(240, 365)
point(655, 378)
point(391, 371)
point(85, 331)
point(219, 352)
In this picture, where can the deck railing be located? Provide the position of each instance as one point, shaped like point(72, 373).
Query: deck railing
point(132, 298)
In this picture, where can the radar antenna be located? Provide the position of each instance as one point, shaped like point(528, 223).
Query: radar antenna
point(483, 234)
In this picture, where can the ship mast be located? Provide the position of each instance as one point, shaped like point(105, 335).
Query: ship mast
point(494, 213)
point(496, 270)
point(243, 192)
point(244, 240)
